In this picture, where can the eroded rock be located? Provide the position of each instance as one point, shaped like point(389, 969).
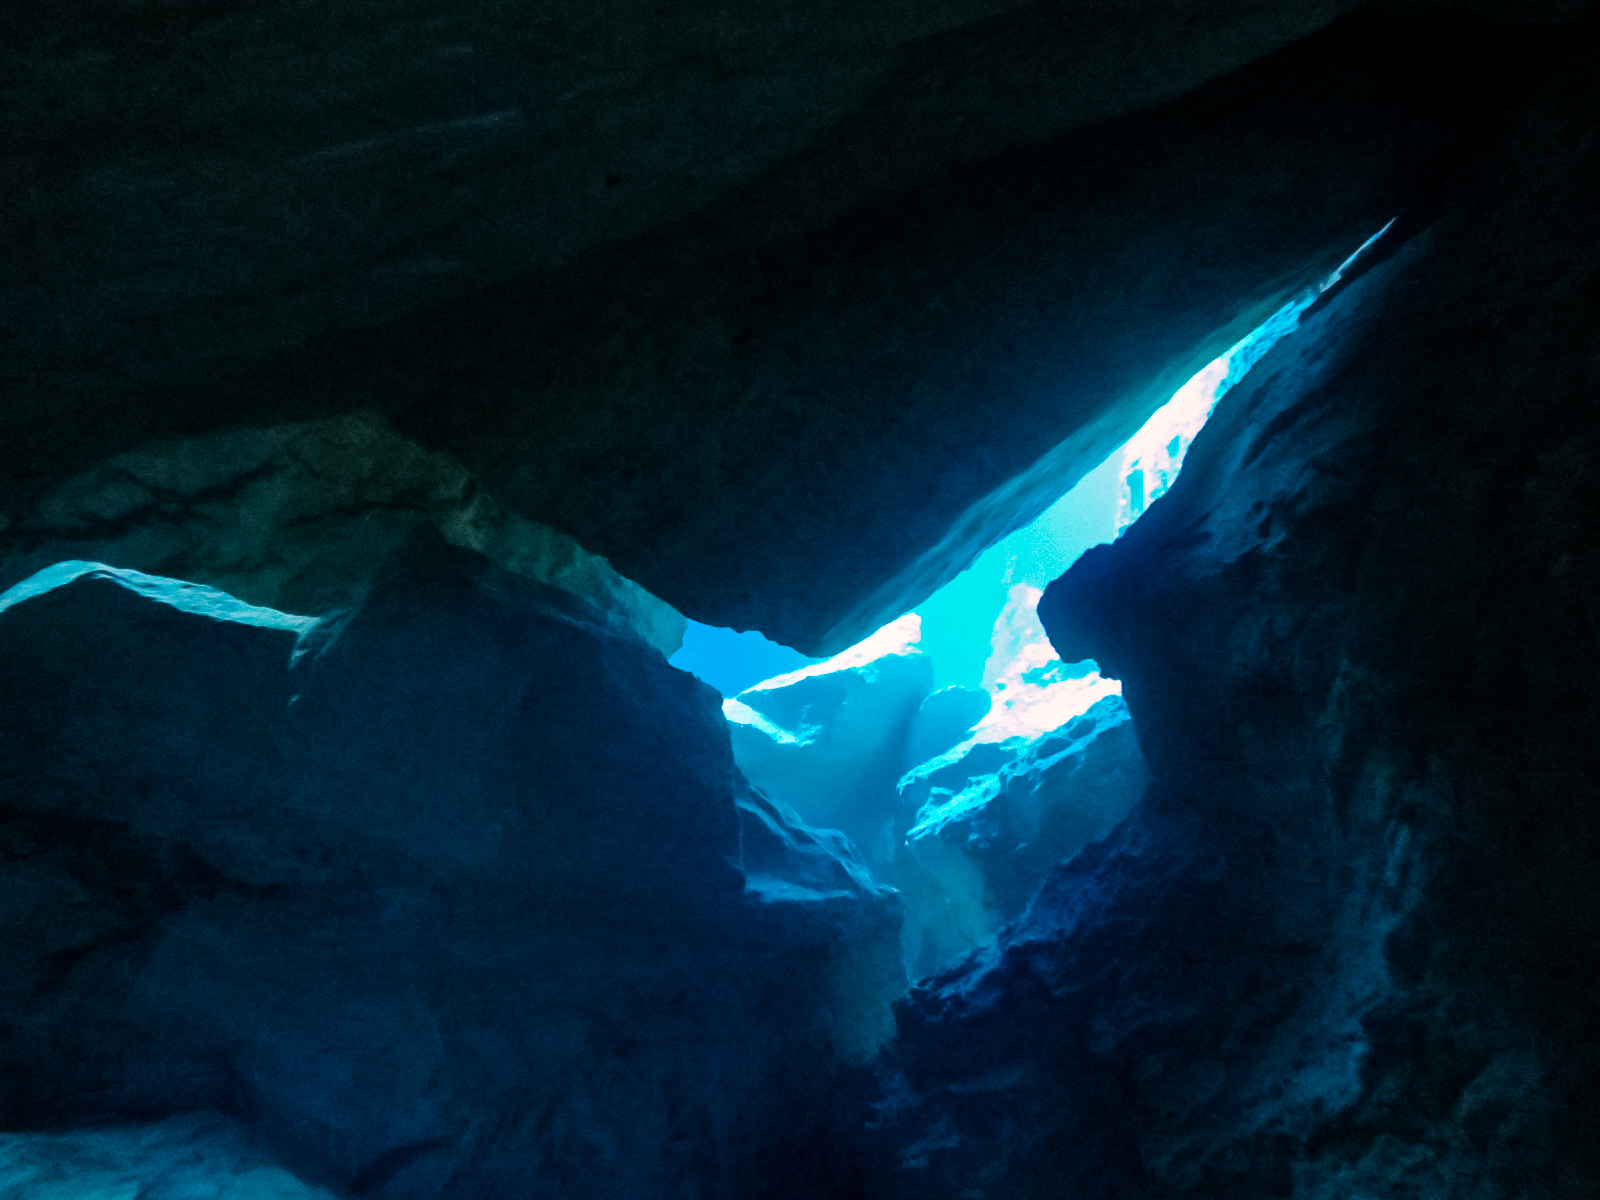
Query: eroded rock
point(867, 292)
point(828, 740)
point(987, 822)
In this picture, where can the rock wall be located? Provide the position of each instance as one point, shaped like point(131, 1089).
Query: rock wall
point(301, 518)
point(828, 740)
point(1347, 945)
point(983, 825)
point(459, 893)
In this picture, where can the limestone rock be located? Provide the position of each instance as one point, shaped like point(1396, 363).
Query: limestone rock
point(1347, 946)
point(786, 318)
point(943, 720)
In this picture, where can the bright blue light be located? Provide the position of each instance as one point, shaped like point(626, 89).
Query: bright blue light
point(958, 619)
point(731, 662)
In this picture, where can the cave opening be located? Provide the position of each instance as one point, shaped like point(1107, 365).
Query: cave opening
point(952, 747)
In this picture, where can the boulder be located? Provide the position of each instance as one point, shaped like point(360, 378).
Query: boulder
point(1347, 946)
point(455, 892)
point(787, 319)
point(943, 719)
point(300, 517)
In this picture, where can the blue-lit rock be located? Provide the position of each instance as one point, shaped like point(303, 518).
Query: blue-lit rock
point(942, 721)
point(829, 740)
point(456, 894)
point(196, 1156)
point(988, 821)
point(1349, 944)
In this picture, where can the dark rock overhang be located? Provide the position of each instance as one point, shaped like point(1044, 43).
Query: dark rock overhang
point(789, 382)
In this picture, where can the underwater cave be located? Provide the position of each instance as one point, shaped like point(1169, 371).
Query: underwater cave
point(952, 748)
point(634, 602)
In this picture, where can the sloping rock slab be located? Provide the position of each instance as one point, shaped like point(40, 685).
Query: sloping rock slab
point(441, 898)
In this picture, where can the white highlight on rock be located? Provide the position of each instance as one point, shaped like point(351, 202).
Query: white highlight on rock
point(1031, 690)
point(897, 637)
point(186, 597)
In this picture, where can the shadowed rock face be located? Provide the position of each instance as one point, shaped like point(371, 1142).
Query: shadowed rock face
point(470, 892)
point(828, 740)
point(988, 821)
point(1347, 945)
point(869, 290)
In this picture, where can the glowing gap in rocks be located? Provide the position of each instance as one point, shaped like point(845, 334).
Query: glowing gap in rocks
point(731, 661)
point(1152, 458)
point(979, 630)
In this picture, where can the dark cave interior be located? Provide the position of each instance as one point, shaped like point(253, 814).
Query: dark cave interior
point(405, 380)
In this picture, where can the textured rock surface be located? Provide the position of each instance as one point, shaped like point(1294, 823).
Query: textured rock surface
point(195, 1155)
point(1347, 947)
point(470, 893)
point(300, 518)
point(986, 823)
point(943, 720)
point(786, 314)
point(730, 299)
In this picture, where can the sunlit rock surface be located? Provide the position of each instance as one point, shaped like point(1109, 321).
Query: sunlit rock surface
point(1050, 765)
point(457, 893)
point(944, 719)
point(1347, 946)
point(989, 822)
point(829, 740)
point(1031, 690)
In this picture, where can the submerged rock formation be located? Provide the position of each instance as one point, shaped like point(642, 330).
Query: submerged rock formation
point(943, 721)
point(968, 835)
point(1347, 947)
point(786, 315)
point(985, 823)
point(301, 517)
point(457, 889)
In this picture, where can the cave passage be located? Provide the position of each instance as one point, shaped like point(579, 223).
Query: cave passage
point(962, 626)
point(953, 748)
